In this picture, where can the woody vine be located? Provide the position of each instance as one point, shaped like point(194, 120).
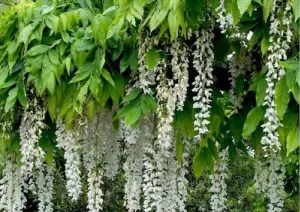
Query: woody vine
point(145, 80)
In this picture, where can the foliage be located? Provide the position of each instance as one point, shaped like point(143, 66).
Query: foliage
point(77, 58)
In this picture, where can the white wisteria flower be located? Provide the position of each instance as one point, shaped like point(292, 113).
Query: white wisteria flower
point(69, 142)
point(180, 65)
point(93, 152)
point(238, 66)
point(219, 187)
point(203, 63)
point(12, 197)
point(166, 108)
point(146, 77)
point(281, 36)
point(225, 20)
point(133, 167)
point(261, 176)
point(276, 191)
point(30, 133)
point(44, 182)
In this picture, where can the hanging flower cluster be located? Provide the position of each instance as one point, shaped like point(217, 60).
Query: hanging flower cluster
point(68, 140)
point(276, 178)
point(180, 65)
point(166, 107)
point(238, 66)
point(100, 155)
point(30, 133)
point(92, 158)
point(12, 197)
point(261, 176)
point(44, 183)
point(225, 20)
point(281, 36)
point(219, 187)
point(182, 182)
point(146, 77)
point(133, 167)
point(203, 62)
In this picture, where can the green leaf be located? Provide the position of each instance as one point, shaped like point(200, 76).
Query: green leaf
point(49, 157)
point(12, 98)
point(296, 92)
point(68, 65)
point(3, 75)
point(107, 76)
point(252, 121)
point(80, 76)
point(21, 92)
point(51, 85)
point(255, 36)
point(12, 55)
point(82, 92)
point(267, 8)
point(235, 12)
point(290, 64)
point(199, 163)
point(293, 140)
point(282, 97)
point(91, 110)
point(132, 95)
point(152, 57)
point(243, 5)
point(150, 102)
point(25, 34)
point(208, 159)
point(232, 151)
point(296, 9)
point(290, 76)
point(52, 103)
point(99, 59)
point(120, 85)
point(264, 45)
point(37, 50)
point(256, 139)
point(100, 27)
point(173, 24)
point(132, 116)
point(159, 15)
point(261, 91)
point(179, 148)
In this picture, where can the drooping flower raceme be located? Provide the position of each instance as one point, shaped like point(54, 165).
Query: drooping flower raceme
point(68, 141)
point(12, 197)
point(93, 153)
point(111, 143)
point(146, 77)
point(166, 108)
point(182, 182)
point(44, 182)
point(280, 38)
point(261, 176)
point(225, 20)
point(180, 65)
point(219, 187)
point(100, 156)
point(238, 66)
point(30, 133)
point(133, 167)
point(203, 62)
point(276, 191)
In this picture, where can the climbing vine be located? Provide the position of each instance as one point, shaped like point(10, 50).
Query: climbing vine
point(133, 87)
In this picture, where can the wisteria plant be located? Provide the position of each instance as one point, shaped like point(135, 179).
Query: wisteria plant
point(129, 86)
